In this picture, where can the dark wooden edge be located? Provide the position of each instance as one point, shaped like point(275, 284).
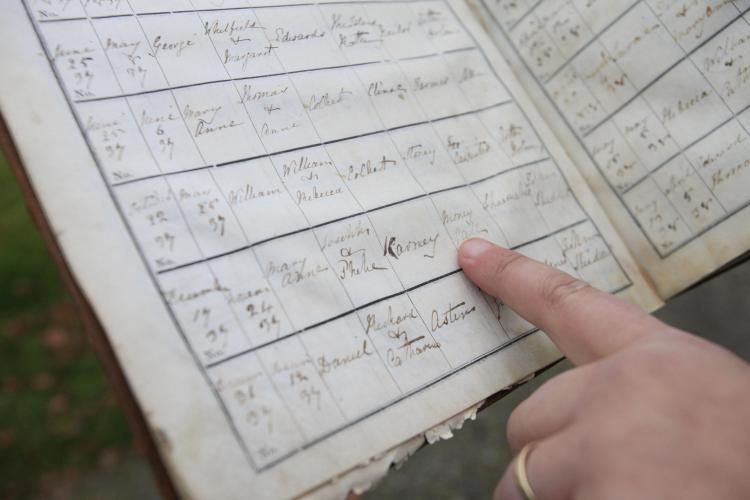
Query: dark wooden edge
point(144, 439)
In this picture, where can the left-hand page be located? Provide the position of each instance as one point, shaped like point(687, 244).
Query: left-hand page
point(263, 203)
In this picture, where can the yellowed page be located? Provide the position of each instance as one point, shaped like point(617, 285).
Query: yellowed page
point(651, 101)
point(263, 205)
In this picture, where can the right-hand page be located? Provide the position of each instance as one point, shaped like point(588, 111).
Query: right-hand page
point(650, 99)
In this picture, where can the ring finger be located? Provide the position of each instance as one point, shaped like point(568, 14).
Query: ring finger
point(550, 472)
point(550, 409)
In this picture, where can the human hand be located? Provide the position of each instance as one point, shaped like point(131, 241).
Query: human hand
point(649, 412)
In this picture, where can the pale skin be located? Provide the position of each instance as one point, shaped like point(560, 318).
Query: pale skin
point(649, 412)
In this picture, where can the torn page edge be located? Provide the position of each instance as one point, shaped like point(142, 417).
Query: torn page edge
point(367, 475)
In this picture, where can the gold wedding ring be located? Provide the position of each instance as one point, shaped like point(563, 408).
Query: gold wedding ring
point(522, 480)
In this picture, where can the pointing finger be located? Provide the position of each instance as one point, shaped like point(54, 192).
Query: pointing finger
point(578, 318)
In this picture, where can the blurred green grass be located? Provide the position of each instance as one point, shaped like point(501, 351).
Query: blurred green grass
point(28, 275)
point(58, 418)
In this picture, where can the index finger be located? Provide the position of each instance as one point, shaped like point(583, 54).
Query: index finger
point(586, 324)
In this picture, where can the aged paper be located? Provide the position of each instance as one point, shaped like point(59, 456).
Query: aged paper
point(263, 204)
point(651, 100)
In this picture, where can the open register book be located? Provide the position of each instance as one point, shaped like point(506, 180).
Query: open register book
point(261, 203)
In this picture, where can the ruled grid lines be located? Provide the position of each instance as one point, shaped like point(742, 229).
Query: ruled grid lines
point(205, 367)
point(687, 57)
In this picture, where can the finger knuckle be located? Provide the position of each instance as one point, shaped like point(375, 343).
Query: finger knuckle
point(559, 288)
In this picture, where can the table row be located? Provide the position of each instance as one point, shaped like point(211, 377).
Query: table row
point(130, 54)
point(176, 130)
point(207, 213)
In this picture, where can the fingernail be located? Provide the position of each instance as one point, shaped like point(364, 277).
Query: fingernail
point(473, 248)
